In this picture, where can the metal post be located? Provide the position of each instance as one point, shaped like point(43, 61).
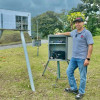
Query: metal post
point(67, 62)
point(37, 30)
point(61, 22)
point(1, 33)
point(58, 69)
point(37, 50)
point(45, 67)
point(27, 61)
point(37, 39)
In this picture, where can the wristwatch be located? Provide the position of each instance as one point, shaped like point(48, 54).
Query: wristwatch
point(88, 59)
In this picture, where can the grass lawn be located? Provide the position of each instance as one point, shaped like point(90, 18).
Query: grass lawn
point(14, 81)
point(13, 37)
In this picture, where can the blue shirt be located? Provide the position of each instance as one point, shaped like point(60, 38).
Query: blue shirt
point(80, 43)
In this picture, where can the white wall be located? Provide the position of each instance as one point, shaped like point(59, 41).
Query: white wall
point(9, 21)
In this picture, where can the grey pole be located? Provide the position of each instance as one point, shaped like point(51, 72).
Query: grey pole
point(58, 69)
point(1, 33)
point(37, 29)
point(37, 50)
point(37, 39)
point(27, 61)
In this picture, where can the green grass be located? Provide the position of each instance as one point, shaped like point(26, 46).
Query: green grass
point(13, 37)
point(14, 81)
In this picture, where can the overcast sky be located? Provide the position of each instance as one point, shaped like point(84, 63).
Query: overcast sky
point(36, 7)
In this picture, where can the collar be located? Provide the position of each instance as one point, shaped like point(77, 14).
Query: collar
point(81, 31)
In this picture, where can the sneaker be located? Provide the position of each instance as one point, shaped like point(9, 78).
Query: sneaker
point(71, 91)
point(79, 96)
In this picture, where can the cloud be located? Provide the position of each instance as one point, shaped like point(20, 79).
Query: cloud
point(37, 7)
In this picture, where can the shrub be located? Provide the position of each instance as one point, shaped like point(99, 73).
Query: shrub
point(97, 32)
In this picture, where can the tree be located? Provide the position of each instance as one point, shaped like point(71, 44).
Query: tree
point(92, 23)
point(92, 7)
point(93, 4)
point(48, 22)
point(97, 2)
point(88, 7)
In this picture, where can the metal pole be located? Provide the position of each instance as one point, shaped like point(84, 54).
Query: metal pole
point(45, 67)
point(37, 50)
point(61, 22)
point(58, 70)
point(1, 33)
point(27, 61)
point(37, 30)
point(37, 39)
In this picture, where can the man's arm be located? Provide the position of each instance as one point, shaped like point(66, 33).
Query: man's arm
point(65, 33)
point(90, 49)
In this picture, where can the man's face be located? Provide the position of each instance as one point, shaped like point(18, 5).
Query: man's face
point(79, 25)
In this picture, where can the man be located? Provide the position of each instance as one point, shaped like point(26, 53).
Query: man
point(81, 53)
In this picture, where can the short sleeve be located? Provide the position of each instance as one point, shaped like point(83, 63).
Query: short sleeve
point(72, 33)
point(89, 38)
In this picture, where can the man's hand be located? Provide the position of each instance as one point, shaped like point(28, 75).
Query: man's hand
point(86, 62)
point(58, 34)
point(65, 33)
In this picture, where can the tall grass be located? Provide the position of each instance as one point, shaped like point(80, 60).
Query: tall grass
point(13, 37)
point(14, 80)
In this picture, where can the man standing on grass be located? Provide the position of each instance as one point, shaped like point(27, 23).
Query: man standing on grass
point(81, 53)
